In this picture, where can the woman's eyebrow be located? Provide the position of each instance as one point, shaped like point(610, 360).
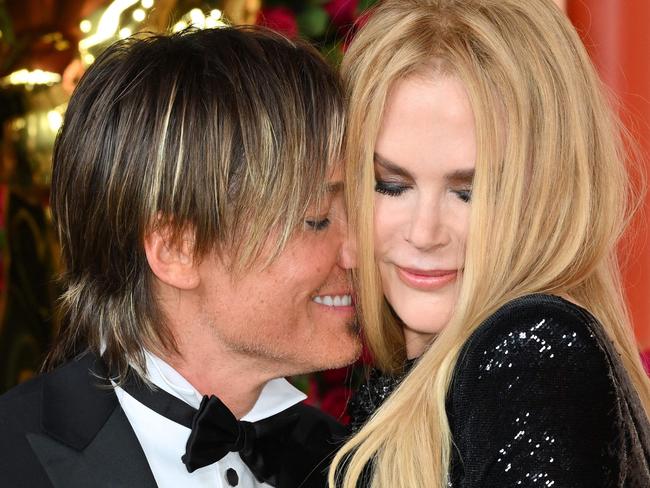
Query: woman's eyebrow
point(390, 166)
point(461, 176)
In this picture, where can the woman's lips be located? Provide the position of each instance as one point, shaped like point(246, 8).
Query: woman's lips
point(427, 280)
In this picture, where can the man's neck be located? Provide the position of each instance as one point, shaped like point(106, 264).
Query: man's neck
point(207, 361)
point(236, 383)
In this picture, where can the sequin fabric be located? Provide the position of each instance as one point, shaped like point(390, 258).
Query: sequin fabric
point(372, 394)
point(539, 398)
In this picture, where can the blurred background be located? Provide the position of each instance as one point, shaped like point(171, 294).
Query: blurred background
point(46, 45)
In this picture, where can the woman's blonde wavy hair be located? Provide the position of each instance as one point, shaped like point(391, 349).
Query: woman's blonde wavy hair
point(550, 201)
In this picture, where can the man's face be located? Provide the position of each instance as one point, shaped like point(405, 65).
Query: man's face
point(295, 315)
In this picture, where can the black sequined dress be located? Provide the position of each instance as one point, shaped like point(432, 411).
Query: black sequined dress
point(372, 394)
point(539, 398)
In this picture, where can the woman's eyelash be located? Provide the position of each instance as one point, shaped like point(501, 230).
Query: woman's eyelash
point(390, 189)
point(319, 224)
point(464, 195)
point(396, 189)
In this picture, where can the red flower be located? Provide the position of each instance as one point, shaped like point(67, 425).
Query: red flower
point(335, 403)
point(351, 30)
point(343, 12)
point(366, 356)
point(363, 19)
point(313, 395)
point(336, 376)
point(281, 19)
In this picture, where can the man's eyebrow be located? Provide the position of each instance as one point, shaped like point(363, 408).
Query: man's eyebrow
point(334, 187)
point(390, 166)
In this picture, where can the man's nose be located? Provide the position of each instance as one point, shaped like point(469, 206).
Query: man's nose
point(348, 250)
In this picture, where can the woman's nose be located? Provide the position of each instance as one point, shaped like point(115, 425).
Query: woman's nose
point(426, 230)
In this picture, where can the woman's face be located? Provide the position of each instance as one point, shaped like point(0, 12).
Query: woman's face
point(424, 166)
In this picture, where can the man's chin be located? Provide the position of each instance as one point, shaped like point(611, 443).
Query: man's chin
point(342, 355)
point(346, 355)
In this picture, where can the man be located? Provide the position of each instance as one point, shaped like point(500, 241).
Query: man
point(197, 196)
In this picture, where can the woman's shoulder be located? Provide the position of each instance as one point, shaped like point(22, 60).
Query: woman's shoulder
point(535, 331)
point(534, 348)
point(533, 392)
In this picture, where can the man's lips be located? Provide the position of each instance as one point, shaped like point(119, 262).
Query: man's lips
point(427, 280)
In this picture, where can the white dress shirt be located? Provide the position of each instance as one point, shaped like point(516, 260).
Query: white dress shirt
point(163, 440)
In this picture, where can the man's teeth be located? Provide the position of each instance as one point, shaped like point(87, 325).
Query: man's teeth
point(334, 300)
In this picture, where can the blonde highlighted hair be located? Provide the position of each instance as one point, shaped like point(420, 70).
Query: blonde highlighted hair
point(228, 133)
point(549, 201)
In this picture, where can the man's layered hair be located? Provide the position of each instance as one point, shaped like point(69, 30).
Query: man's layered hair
point(228, 134)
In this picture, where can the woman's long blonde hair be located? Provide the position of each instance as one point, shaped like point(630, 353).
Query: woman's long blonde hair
point(549, 202)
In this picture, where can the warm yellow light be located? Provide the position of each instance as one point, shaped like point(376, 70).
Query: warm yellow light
point(61, 45)
point(36, 77)
point(211, 23)
point(55, 119)
point(88, 59)
point(146, 3)
point(215, 14)
point(85, 25)
point(179, 26)
point(125, 32)
point(18, 124)
point(108, 24)
point(197, 17)
point(139, 15)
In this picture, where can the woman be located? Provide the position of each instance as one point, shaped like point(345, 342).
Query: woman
point(492, 191)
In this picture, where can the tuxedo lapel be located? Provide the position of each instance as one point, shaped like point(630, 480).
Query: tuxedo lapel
point(87, 439)
point(112, 459)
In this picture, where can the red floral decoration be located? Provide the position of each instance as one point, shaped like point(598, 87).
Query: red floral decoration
point(281, 19)
point(331, 390)
point(342, 12)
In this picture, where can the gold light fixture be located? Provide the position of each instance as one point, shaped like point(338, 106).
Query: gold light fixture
point(31, 78)
point(108, 24)
point(85, 26)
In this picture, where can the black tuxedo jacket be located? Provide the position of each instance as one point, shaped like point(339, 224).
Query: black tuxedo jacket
point(66, 429)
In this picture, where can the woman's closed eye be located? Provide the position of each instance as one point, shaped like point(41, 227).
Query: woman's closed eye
point(391, 189)
point(465, 194)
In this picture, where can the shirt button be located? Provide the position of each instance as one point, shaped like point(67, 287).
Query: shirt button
point(231, 477)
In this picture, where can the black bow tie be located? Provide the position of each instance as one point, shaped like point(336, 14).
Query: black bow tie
point(216, 431)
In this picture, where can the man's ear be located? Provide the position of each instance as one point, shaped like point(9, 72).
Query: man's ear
point(172, 262)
